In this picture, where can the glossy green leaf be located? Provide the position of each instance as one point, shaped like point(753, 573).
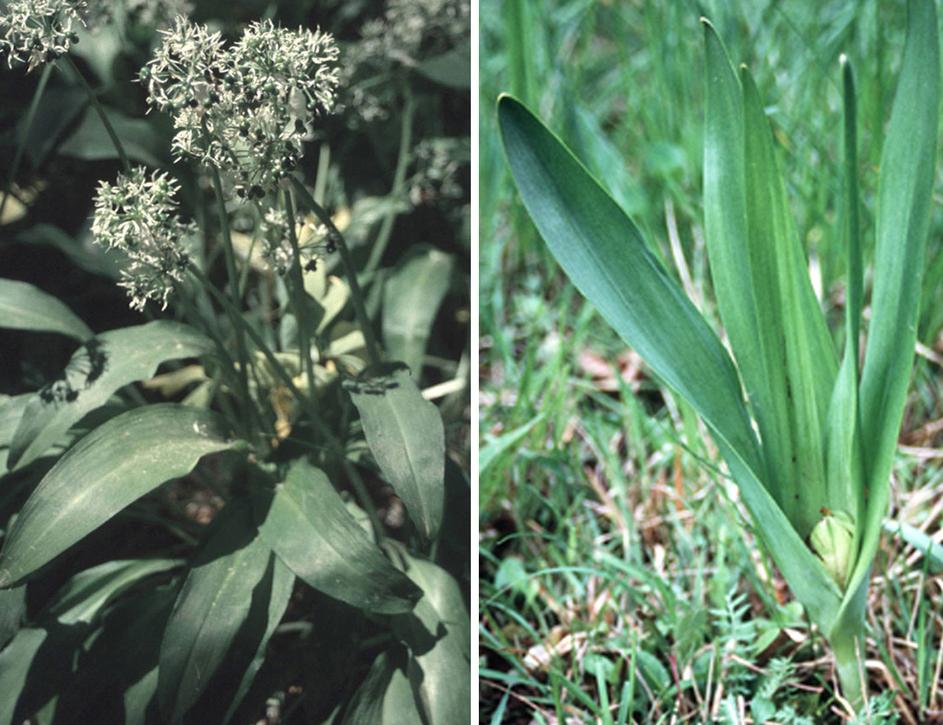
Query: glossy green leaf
point(452, 68)
point(91, 142)
point(11, 411)
point(103, 473)
point(602, 252)
point(282, 585)
point(907, 168)
point(211, 609)
point(116, 675)
point(308, 526)
point(385, 696)
point(407, 439)
point(12, 611)
point(411, 298)
point(100, 367)
point(16, 661)
point(438, 635)
point(88, 592)
point(25, 307)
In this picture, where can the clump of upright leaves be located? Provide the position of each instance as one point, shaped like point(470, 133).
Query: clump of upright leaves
point(289, 473)
point(816, 479)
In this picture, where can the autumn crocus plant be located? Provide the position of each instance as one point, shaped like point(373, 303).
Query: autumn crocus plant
point(814, 470)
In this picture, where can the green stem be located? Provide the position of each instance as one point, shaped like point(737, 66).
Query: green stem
point(332, 443)
point(234, 312)
point(21, 146)
point(356, 293)
point(399, 179)
point(850, 670)
point(298, 283)
point(99, 109)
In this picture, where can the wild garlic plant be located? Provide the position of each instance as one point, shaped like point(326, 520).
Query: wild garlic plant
point(293, 402)
point(808, 436)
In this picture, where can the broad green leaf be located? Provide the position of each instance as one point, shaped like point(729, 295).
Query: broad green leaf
point(107, 470)
point(116, 675)
point(755, 340)
point(437, 633)
point(601, 251)
point(407, 438)
point(788, 307)
point(384, 697)
point(16, 661)
point(58, 108)
point(452, 68)
point(213, 605)
point(282, 584)
point(25, 307)
point(411, 298)
point(88, 592)
point(308, 526)
point(908, 161)
point(11, 411)
point(91, 142)
point(12, 611)
point(91, 258)
point(103, 365)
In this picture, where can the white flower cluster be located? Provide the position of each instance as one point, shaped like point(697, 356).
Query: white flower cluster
point(276, 243)
point(245, 109)
point(406, 33)
point(137, 215)
point(437, 162)
point(35, 32)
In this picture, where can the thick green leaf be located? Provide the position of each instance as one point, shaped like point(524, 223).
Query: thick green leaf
point(788, 307)
point(25, 307)
point(12, 611)
point(101, 366)
point(282, 584)
point(438, 635)
point(908, 161)
point(11, 411)
point(736, 266)
point(411, 299)
point(308, 526)
point(407, 439)
point(103, 473)
point(116, 675)
point(16, 661)
point(211, 609)
point(88, 592)
point(385, 696)
point(603, 254)
point(452, 68)
point(91, 141)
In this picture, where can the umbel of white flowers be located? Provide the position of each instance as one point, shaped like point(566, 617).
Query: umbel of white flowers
point(138, 216)
point(34, 32)
point(247, 108)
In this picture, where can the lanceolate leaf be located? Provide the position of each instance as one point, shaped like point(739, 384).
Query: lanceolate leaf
point(282, 584)
point(212, 607)
point(25, 307)
point(437, 632)
point(602, 253)
point(790, 311)
point(908, 161)
point(85, 594)
point(411, 299)
point(407, 439)
point(103, 473)
point(99, 368)
point(309, 528)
